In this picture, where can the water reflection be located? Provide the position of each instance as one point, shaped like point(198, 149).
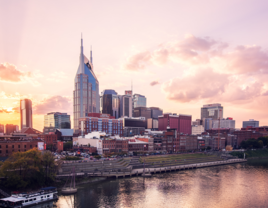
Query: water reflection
point(238, 185)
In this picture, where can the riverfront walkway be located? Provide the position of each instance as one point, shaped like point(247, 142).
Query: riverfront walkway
point(129, 172)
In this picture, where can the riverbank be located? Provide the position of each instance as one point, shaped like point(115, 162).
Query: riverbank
point(252, 154)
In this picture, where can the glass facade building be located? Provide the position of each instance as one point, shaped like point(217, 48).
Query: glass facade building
point(110, 103)
point(139, 100)
point(26, 118)
point(86, 97)
point(125, 107)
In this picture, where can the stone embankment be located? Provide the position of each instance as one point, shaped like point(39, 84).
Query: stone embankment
point(114, 169)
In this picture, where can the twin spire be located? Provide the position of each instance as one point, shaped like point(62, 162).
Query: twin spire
point(82, 52)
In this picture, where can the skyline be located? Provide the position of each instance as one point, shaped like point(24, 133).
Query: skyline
point(179, 57)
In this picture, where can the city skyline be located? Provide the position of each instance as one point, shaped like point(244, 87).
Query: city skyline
point(179, 62)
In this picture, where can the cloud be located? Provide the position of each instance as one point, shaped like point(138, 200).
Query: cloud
point(9, 72)
point(213, 71)
point(53, 104)
point(153, 83)
point(9, 110)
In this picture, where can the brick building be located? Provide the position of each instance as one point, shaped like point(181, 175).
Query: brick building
point(9, 146)
point(10, 128)
point(114, 145)
point(182, 123)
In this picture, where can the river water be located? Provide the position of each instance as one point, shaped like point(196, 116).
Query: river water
point(236, 185)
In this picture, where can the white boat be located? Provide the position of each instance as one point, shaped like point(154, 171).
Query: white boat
point(30, 199)
point(71, 189)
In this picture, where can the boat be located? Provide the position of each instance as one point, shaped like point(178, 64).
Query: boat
point(71, 189)
point(30, 199)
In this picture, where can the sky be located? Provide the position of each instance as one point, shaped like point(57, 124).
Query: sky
point(179, 54)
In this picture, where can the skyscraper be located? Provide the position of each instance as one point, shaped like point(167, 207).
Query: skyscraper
point(251, 122)
point(214, 111)
point(26, 118)
point(110, 103)
point(86, 97)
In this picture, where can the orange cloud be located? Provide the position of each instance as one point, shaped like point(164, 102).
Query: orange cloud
point(153, 83)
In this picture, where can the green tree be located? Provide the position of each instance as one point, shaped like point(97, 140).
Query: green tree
point(68, 146)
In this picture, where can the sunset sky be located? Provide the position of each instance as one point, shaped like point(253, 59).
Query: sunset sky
point(179, 54)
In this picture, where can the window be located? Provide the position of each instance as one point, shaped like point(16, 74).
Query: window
point(0, 151)
point(31, 200)
point(18, 146)
point(24, 146)
point(12, 146)
point(47, 195)
point(34, 199)
point(0, 146)
point(6, 151)
point(41, 197)
point(26, 201)
point(6, 146)
point(30, 146)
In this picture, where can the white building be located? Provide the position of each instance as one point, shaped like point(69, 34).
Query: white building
point(197, 129)
point(93, 139)
point(224, 123)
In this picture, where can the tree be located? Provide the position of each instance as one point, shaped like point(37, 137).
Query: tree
point(68, 146)
point(28, 169)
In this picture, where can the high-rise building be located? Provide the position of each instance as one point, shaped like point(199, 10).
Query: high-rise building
point(56, 120)
point(110, 103)
point(251, 122)
point(214, 111)
point(139, 101)
point(10, 128)
point(86, 97)
point(125, 106)
point(2, 128)
point(26, 118)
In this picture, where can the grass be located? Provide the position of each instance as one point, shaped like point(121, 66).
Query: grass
point(251, 153)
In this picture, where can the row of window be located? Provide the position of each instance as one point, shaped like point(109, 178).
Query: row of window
point(13, 146)
point(34, 199)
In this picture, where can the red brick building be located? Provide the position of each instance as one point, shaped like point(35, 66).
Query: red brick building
point(114, 145)
point(8, 147)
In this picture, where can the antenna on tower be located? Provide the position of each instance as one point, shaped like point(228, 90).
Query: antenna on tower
point(131, 87)
point(91, 59)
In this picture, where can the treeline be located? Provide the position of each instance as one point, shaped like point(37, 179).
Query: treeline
point(254, 143)
point(30, 169)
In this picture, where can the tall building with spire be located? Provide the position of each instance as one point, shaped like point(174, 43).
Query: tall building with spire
point(86, 97)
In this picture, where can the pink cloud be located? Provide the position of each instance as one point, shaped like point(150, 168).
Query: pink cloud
point(53, 104)
point(9, 72)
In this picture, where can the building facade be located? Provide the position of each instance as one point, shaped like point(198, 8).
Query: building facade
point(228, 123)
point(214, 111)
point(2, 128)
point(251, 123)
point(109, 126)
point(26, 117)
point(197, 129)
point(10, 128)
point(125, 107)
point(139, 101)
point(110, 103)
point(56, 120)
point(86, 89)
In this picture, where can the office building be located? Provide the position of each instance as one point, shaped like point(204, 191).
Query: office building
point(56, 120)
point(26, 118)
point(156, 112)
point(100, 123)
point(125, 106)
point(152, 124)
point(2, 128)
point(10, 128)
point(214, 111)
point(197, 129)
point(133, 126)
point(251, 122)
point(182, 123)
point(86, 89)
point(110, 103)
point(227, 123)
point(139, 101)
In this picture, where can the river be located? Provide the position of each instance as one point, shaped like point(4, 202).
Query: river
point(236, 185)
